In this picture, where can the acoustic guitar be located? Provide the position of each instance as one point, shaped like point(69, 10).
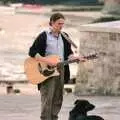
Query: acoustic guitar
point(37, 71)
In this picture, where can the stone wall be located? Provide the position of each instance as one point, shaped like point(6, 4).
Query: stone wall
point(112, 7)
point(100, 76)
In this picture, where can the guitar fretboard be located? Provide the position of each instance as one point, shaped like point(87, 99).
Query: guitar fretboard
point(89, 57)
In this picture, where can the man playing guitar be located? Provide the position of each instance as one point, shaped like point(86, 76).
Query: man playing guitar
point(52, 42)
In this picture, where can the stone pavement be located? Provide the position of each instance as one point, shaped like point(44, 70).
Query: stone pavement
point(27, 107)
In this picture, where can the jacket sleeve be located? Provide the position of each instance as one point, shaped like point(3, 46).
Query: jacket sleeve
point(38, 46)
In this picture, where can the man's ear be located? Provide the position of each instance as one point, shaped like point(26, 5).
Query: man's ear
point(51, 23)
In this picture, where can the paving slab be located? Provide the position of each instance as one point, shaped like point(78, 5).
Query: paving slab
point(27, 107)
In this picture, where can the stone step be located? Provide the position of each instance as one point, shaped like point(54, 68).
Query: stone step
point(68, 88)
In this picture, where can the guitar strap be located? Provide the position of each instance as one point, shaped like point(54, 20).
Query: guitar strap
point(69, 40)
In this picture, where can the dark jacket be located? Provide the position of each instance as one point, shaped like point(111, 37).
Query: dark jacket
point(39, 46)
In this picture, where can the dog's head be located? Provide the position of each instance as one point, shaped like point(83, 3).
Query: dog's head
point(84, 105)
point(81, 108)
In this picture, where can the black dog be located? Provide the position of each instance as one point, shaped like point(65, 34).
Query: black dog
point(79, 112)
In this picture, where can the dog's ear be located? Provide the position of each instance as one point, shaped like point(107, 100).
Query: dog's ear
point(76, 102)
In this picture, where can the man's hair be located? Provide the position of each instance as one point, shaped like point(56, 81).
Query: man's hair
point(54, 17)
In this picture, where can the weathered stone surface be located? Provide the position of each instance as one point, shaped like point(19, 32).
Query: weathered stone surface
point(100, 76)
point(112, 6)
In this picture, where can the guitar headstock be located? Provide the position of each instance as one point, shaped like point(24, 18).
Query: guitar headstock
point(94, 56)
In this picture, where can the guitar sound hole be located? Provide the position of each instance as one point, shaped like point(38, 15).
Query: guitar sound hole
point(47, 72)
point(50, 67)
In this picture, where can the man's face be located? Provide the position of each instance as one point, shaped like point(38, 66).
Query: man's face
point(58, 25)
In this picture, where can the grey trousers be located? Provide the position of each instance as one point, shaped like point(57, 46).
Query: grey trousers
point(51, 97)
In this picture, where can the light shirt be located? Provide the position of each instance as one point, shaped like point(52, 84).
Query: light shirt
point(55, 45)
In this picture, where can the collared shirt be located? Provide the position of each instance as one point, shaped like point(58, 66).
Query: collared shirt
point(55, 45)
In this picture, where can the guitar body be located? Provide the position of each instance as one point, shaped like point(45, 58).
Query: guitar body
point(37, 71)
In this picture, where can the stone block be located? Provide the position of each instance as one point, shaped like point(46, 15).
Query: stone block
point(102, 75)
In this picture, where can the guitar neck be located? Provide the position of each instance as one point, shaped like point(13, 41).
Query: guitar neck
point(66, 62)
point(89, 57)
